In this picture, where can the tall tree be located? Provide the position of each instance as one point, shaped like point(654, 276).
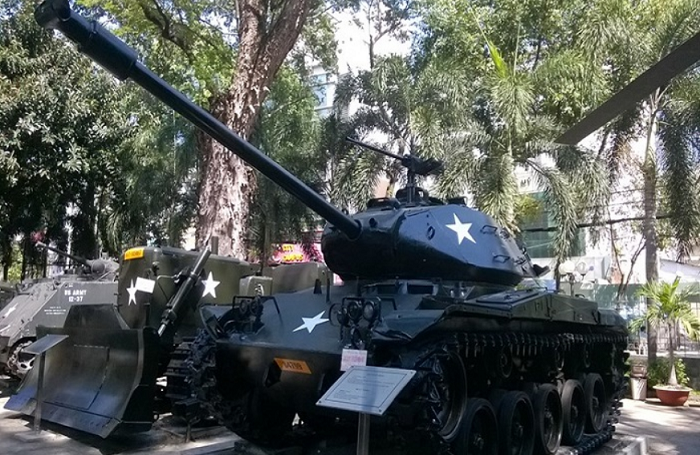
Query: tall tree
point(668, 121)
point(253, 39)
point(526, 82)
point(58, 133)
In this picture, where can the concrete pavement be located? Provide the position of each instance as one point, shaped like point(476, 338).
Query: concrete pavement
point(669, 430)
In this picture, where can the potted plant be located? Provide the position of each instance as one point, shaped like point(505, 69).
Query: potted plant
point(670, 308)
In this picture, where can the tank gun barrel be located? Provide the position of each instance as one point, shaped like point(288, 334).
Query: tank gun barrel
point(78, 259)
point(114, 55)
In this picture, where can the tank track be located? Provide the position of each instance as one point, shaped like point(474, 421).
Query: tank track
point(480, 352)
point(473, 349)
point(176, 372)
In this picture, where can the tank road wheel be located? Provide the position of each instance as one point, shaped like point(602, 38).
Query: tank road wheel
point(573, 405)
point(478, 433)
point(596, 403)
point(448, 392)
point(18, 363)
point(516, 424)
point(548, 423)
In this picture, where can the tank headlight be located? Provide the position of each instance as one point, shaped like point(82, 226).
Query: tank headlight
point(369, 311)
point(355, 310)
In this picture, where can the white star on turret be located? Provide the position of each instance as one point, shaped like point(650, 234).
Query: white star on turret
point(210, 285)
point(462, 230)
point(132, 293)
point(311, 323)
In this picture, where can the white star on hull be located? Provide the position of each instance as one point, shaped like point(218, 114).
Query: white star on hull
point(210, 285)
point(311, 323)
point(132, 293)
point(462, 230)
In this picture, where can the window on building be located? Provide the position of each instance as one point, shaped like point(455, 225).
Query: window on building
point(321, 93)
point(541, 244)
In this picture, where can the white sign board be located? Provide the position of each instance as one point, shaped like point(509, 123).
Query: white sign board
point(145, 285)
point(366, 389)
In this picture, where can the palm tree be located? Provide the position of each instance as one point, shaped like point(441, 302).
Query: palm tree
point(670, 308)
point(520, 97)
point(416, 108)
point(639, 35)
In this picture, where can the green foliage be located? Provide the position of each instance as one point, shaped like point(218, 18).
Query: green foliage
point(153, 198)
point(660, 370)
point(416, 108)
point(670, 306)
point(189, 42)
point(14, 272)
point(517, 60)
point(57, 132)
point(288, 131)
point(82, 149)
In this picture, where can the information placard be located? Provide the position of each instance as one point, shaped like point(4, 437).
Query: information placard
point(366, 389)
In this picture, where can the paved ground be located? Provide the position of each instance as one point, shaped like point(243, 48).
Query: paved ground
point(17, 437)
point(669, 430)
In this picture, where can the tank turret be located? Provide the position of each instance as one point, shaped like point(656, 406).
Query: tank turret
point(415, 236)
point(91, 266)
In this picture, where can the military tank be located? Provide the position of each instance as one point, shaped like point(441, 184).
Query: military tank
point(428, 285)
point(46, 301)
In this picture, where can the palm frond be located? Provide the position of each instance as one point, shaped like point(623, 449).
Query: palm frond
point(560, 199)
point(496, 189)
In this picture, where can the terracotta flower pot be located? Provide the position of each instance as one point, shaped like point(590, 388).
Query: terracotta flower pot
point(672, 395)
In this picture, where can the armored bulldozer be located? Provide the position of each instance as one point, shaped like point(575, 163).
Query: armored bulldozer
point(46, 302)
point(108, 352)
point(428, 285)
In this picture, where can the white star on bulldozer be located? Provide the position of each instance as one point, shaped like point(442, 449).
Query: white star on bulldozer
point(132, 293)
point(462, 230)
point(311, 323)
point(210, 285)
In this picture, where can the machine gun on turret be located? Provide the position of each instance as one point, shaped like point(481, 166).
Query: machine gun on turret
point(414, 165)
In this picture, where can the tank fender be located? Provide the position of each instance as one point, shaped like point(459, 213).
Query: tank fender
point(610, 317)
point(405, 325)
point(210, 315)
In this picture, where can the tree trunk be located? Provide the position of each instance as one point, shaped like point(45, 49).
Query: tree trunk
point(672, 380)
point(649, 224)
point(227, 183)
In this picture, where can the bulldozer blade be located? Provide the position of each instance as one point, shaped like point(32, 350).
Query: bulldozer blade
point(100, 380)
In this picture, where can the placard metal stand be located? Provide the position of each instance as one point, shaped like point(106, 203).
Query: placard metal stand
point(368, 391)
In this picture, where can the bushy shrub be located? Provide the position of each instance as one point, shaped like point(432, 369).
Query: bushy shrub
point(660, 369)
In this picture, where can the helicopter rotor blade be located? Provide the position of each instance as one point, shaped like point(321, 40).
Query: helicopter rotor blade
point(674, 63)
